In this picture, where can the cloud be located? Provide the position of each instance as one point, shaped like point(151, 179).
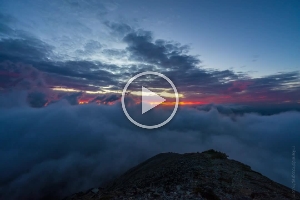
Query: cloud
point(90, 48)
point(118, 29)
point(106, 99)
point(37, 99)
point(256, 108)
point(163, 53)
point(64, 147)
point(29, 49)
point(20, 76)
point(61, 149)
point(100, 66)
point(4, 28)
point(174, 61)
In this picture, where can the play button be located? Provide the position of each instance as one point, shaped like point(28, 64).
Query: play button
point(150, 100)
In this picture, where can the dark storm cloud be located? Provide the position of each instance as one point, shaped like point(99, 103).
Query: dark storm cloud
point(61, 149)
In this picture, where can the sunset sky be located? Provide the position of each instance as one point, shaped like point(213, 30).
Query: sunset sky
point(214, 51)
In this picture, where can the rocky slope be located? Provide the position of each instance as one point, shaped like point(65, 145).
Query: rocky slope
point(208, 175)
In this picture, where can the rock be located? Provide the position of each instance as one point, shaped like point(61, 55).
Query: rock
point(95, 190)
point(207, 175)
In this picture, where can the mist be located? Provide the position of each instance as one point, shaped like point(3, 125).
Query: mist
point(54, 151)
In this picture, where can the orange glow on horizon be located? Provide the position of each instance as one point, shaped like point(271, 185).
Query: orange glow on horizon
point(182, 103)
point(83, 102)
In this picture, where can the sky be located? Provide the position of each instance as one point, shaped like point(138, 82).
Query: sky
point(233, 52)
point(63, 65)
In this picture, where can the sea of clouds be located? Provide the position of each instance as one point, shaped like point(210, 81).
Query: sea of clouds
point(54, 151)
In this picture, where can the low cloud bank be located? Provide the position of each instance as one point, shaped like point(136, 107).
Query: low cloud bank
point(60, 149)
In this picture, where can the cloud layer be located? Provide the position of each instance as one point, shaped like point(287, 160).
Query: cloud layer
point(61, 149)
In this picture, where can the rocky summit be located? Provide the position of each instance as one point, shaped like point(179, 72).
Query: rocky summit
point(208, 175)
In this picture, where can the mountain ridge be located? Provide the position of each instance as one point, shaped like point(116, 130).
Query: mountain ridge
point(208, 175)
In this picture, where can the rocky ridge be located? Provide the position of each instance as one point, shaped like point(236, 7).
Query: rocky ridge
point(207, 175)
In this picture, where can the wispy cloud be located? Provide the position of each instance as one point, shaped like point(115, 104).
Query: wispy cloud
point(141, 53)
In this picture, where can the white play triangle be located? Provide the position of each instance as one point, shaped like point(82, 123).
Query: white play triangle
point(150, 100)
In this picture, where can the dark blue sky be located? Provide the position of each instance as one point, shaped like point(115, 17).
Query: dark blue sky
point(261, 36)
point(257, 36)
point(225, 49)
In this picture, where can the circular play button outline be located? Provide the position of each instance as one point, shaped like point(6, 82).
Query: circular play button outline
point(142, 125)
